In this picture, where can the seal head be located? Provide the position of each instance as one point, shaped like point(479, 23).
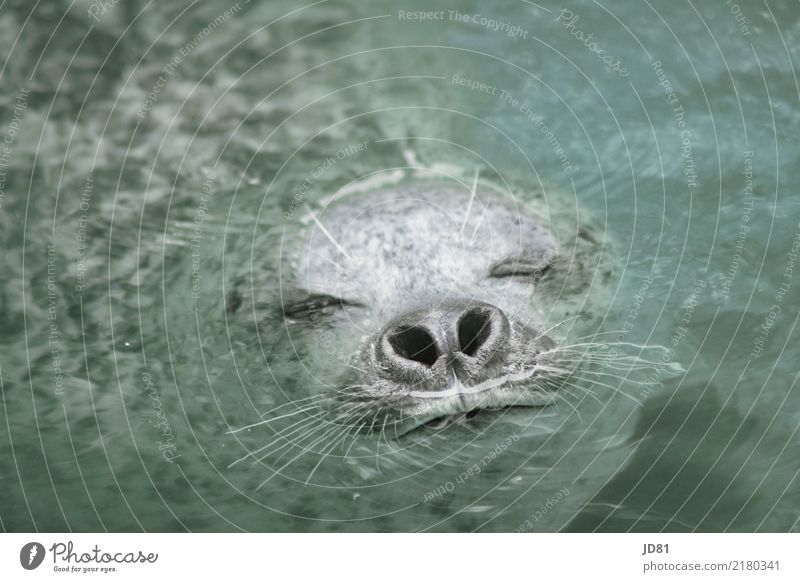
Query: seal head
point(428, 292)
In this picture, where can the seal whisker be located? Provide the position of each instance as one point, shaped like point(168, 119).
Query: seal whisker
point(305, 449)
point(563, 398)
point(268, 421)
point(355, 367)
point(325, 452)
point(597, 333)
point(292, 402)
point(303, 423)
point(280, 435)
point(289, 444)
point(378, 446)
point(557, 325)
point(589, 355)
point(309, 432)
point(617, 390)
point(629, 361)
point(397, 422)
point(477, 226)
point(570, 384)
point(355, 427)
point(625, 379)
point(355, 422)
point(327, 234)
point(640, 347)
point(611, 363)
point(293, 429)
point(383, 431)
point(471, 200)
point(586, 392)
point(346, 424)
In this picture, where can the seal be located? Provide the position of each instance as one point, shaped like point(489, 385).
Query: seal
point(419, 304)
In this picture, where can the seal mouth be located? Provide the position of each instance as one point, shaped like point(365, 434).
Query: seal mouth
point(462, 418)
point(468, 405)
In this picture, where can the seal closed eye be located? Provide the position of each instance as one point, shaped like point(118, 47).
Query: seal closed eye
point(314, 303)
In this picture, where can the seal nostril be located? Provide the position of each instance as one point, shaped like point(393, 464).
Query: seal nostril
point(416, 344)
point(474, 328)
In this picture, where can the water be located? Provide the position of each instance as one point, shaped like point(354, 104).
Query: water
point(152, 154)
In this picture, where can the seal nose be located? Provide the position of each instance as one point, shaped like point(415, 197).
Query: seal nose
point(414, 344)
point(460, 336)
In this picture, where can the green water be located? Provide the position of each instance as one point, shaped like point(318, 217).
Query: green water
point(151, 153)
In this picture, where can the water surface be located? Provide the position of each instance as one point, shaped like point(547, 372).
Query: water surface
point(154, 152)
